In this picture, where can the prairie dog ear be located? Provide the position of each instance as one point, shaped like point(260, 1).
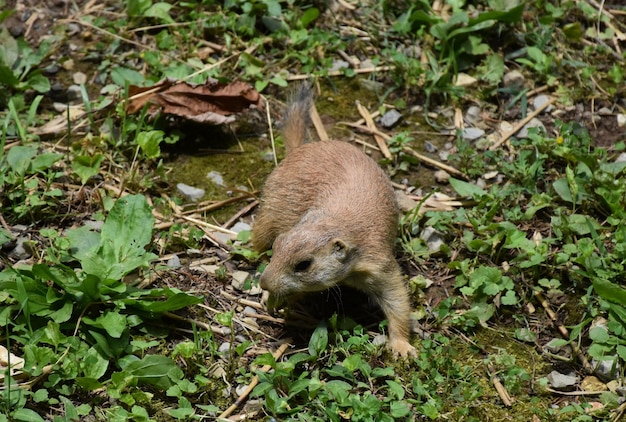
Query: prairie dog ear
point(341, 250)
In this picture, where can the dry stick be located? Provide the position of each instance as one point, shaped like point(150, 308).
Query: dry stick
point(269, 125)
point(217, 205)
point(245, 210)
point(500, 389)
point(341, 73)
point(223, 331)
point(317, 122)
point(255, 380)
point(564, 332)
point(435, 163)
point(380, 140)
point(521, 124)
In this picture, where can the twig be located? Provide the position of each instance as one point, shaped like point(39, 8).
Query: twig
point(255, 380)
point(317, 122)
point(521, 124)
point(245, 210)
point(564, 332)
point(500, 389)
point(380, 140)
point(269, 125)
point(223, 331)
point(341, 73)
point(435, 163)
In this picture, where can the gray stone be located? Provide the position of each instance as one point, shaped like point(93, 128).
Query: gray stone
point(472, 133)
point(215, 177)
point(390, 118)
point(560, 381)
point(241, 226)
point(534, 123)
point(540, 100)
point(621, 158)
point(190, 192)
point(339, 64)
point(513, 79)
point(472, 115)
point(74, 93)
point(442, 176)
point(430, 147)
point(174, 262)
point(22, 250)
point(607, 369)
point(434, 240)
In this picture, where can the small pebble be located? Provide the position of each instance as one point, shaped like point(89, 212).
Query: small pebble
point(443, 155)
point(472, 133)
point(190, 192)
point(430, 147)
point(174, 262)
point(621, 120)
point(433, 239)
point(621, 158)
point(465, 80)
point(51, 69)
point(79, 78)
point(339, 64)
point(390, 118)
point(215, 177)
point(74, 92)
point(224, 347)
point(605, 111)
point(560, 381)
point(513, 79)
point(240, 226)
point(540, 100)
point(472, 115)
point(442, 176)
point(534, 123)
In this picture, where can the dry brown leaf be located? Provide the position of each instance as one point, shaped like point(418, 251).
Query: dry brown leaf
point(212, 102)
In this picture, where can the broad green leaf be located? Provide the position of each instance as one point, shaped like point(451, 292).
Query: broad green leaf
point(9, 50)
point(93, 364)
point(149, 142)
point(160, 11)
point(122, 76)
point(159, 371)
point(38, 82)
point(609, 291)
point(20, 157)
point(87, 166)
point(26, 415)
point(112, 322)
point(319, 340)
point(309, 16)
point(44, 161)
point(163, 300)
point(466, 189)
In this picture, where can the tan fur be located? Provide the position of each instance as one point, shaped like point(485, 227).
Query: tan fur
point(329, 214)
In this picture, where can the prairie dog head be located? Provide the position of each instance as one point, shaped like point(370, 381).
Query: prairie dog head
point(307, 261)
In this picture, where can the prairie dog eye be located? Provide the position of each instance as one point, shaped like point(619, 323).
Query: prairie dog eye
point(303, 265)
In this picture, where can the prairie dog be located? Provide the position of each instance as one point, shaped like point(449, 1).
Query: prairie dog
point(329, 213)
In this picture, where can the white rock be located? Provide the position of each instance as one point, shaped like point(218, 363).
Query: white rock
point(471, 133)
point(190, 192)
point(523, 133)
point(442, 176)
point(513, 79)
point(173, 262)
point(560, 381)
point(621, 158)
point(621, 120)
point(241, 226)
point(472, 115)
point(465, 80)
point(540, 100)
point(215, 177)
point(433, 239)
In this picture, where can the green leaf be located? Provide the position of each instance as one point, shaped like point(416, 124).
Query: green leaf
point(160, 11)
point(149, 142)
point(161, 300)
point(20, 157)
point(86, 167)
point(26, 415)
point(159, 371)
point(319, 340)
point(44, 161)
point(309, 16)
point(122, 76)
point(609, 291)
point(466, 189)
point(9, 50)
point(38, 82)
point(112, 322)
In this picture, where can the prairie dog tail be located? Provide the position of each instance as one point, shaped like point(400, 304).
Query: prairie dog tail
point(296, 117)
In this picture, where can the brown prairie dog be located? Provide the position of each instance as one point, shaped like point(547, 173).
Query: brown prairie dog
point(329, 213)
